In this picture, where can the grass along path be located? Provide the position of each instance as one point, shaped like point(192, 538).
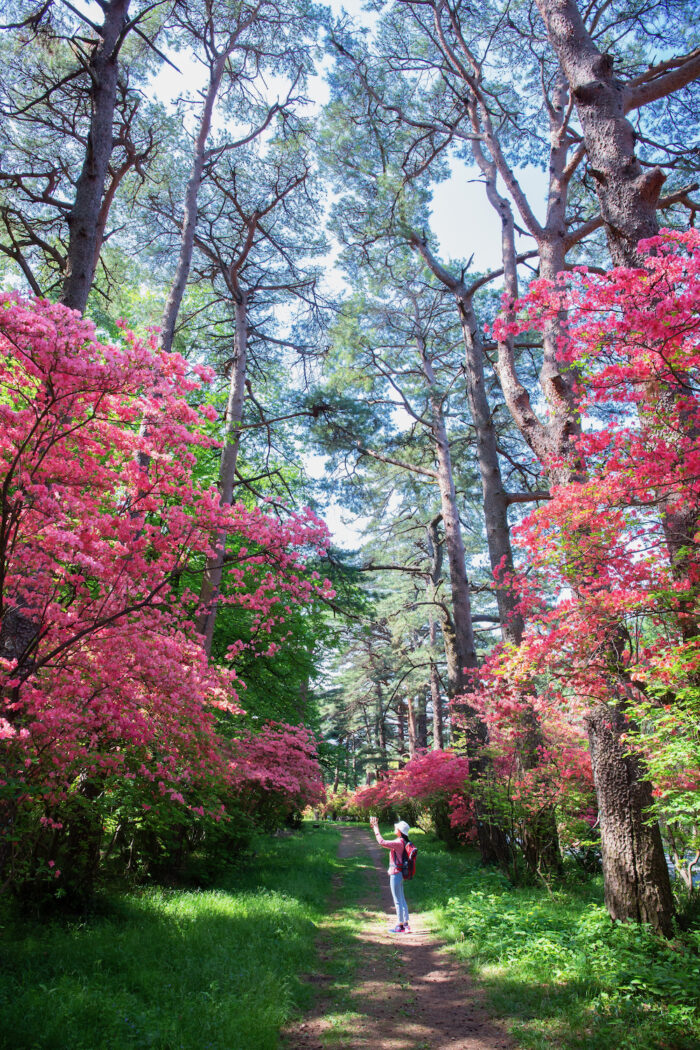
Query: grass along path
point(549, 964)
point(161, 969)
point(407, 994)
point(553, 965)
point(224, 969)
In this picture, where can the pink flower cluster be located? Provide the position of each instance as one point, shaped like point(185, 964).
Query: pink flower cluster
point(102, 519)
point(613, 565)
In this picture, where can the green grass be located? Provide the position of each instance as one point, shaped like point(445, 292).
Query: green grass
point(555, 965)
point(175, 970)
point(223, 969)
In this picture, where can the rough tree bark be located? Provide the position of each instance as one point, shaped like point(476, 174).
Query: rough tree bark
point(436, 700)
point(637, 885)
point(401, 731)
point(636, 875)
point(412, 728)
point(454, 544)
point(84, 216)
point(628, 193)
point(435, 553)
point(422, 719)
point(380, 726)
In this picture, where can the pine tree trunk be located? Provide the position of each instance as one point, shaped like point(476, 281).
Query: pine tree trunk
point(401, 730)
point(189, 217)
point(211, 580)
point(463, 632)
point(636, 876)
point(637, 884)
point(412, 732)
point(628, 193)
point(380, 723)
point(494, 495)
point(436, 699)
point(84, 217)
point(422, 721)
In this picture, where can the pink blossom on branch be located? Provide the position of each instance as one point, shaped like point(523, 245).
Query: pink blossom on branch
point(103, 672)
point(604, 572)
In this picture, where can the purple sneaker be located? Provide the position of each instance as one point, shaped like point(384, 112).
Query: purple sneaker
point(397, 929)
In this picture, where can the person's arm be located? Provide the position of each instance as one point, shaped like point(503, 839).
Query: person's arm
point(386, 843)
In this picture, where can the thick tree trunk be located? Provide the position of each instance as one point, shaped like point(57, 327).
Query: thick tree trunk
point(459, 581)
point(380, 727)
point(211, 581)
point(628, 193)
point(495, 498)
point(18, 637)
point(401, 730)
point(636, 877)
point(422, 720)
point(84, 216)
point(435, 554)
point(189, 218)
point(381, 738)
point(637, 885)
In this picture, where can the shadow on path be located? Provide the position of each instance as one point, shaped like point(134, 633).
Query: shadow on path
point(408, 994)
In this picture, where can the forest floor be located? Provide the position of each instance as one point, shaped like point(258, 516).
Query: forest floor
point(408, 994)
point(294, 937)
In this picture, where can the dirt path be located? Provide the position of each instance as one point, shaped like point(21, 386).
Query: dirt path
point(408, 994)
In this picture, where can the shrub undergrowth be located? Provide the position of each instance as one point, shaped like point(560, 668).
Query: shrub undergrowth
point(169, 969)
point(222, 969)
point(554, 964)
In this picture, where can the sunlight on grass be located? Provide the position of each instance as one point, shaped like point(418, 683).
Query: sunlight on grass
point(172, 969)
point(555, 965)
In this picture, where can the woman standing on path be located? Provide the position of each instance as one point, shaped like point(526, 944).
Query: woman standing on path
point(397, 847)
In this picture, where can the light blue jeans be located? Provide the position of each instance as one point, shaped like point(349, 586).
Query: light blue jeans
point(396, 883)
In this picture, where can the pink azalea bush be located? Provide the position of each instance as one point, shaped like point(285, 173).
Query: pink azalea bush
point(107, 693)
point(432, 785)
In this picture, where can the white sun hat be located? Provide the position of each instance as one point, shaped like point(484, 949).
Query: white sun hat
point(402, 826)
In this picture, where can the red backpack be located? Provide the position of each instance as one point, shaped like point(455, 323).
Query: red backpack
point(408, 861)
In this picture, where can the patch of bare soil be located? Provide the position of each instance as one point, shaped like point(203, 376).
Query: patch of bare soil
point(409, 995)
